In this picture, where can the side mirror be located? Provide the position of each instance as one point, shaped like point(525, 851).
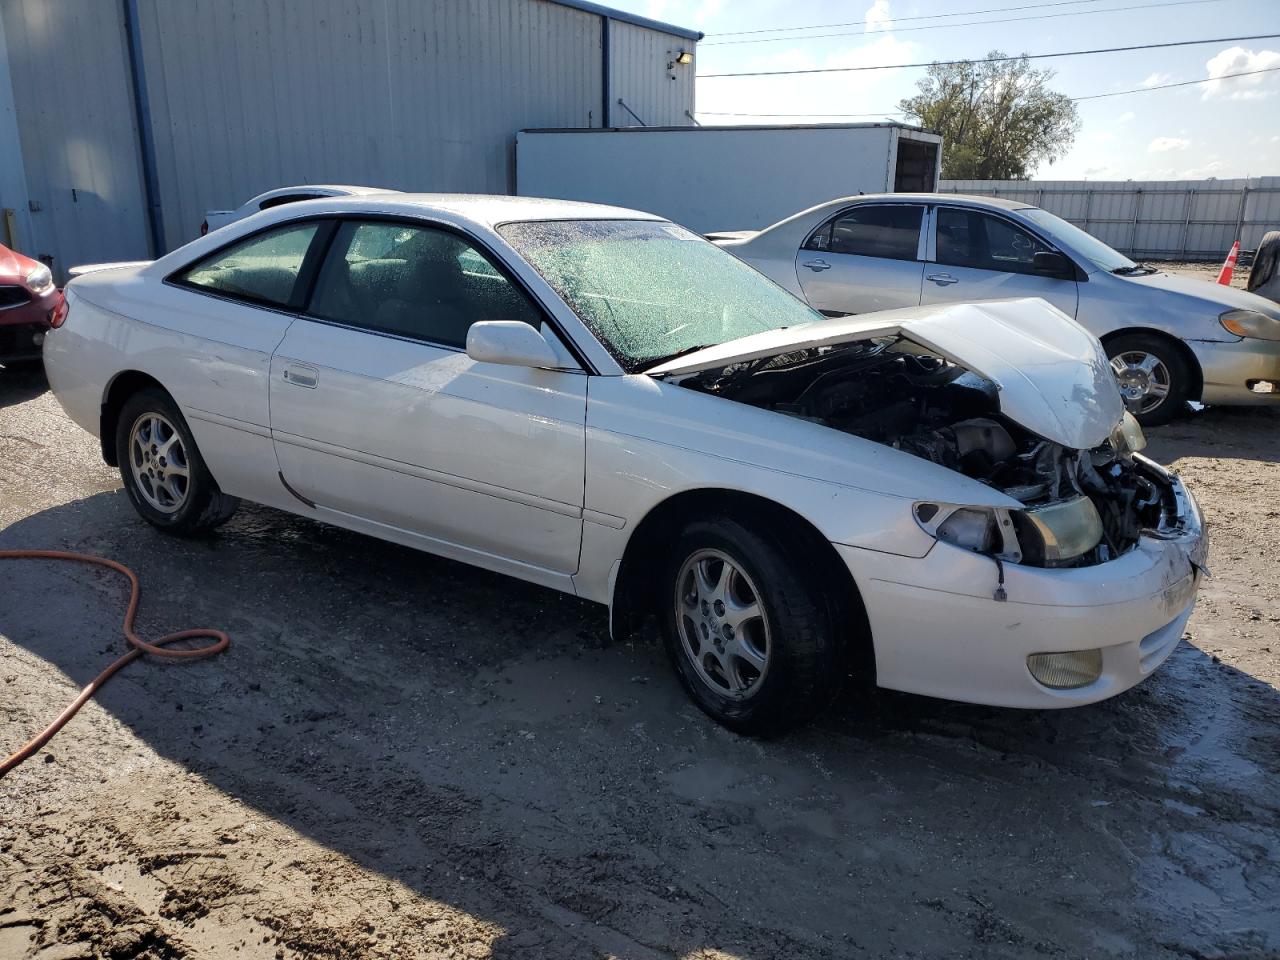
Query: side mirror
point(1050, 264)
point(510, 342)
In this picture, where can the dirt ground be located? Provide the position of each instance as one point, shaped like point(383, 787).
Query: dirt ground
point(401, 757)
point(1206, 271)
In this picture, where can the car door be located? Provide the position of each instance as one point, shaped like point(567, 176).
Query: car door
point(976, 255)
point(231, 309)
point(379, 415)
point(865, 258)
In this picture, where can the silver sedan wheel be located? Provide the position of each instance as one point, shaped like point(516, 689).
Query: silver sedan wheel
point(722, 624)
point(159, 463)
point(1144, 380)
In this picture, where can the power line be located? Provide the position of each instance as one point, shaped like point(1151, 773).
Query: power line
point(1025, 56)
point(1181, 83)
point(883, 113)
point(1092, 96)
point(931, 16)
point(967, 23)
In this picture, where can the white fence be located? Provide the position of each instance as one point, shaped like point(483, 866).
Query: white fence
point(1152, 219)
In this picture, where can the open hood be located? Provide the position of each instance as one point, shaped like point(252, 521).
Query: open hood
point(1052, 375)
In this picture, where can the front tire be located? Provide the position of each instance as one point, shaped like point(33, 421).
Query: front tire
point(1155, 378)
point(751, 627)
point(164, 475)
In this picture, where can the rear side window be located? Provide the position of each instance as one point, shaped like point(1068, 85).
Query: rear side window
point(263, 269)
point(414, 281)
point(968, 238)
point(888, 231)
point(287, 198)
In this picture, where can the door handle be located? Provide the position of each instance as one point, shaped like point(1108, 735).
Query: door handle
point(942, 279)
point(302, 376)
point(817, 266)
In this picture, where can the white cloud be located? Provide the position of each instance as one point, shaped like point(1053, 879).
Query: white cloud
point(1240, 60)
point(1156, 79)
point(1165, 144)
point(1202, 172)
point(877, 17)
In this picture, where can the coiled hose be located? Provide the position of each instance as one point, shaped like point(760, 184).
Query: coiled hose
point(157, 648)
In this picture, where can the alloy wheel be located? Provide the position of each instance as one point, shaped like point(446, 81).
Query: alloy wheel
point(1144, 380)
point(722, 624)
point(158, 460)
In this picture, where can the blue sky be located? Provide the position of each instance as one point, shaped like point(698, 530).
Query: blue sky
point(1230, 128)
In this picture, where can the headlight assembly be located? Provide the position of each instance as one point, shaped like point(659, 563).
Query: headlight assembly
point(1041, 536)
point(40, 280)
point(1250, 323)
point(980, 529)
point(1059, 532)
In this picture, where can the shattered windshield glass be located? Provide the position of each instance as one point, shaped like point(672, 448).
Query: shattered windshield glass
point(651, 290)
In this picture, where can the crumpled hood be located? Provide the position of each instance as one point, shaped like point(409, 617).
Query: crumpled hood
point(1217, 298)
point(1052, 375)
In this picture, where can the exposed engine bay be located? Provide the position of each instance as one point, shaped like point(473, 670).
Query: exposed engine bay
point(1083, 506)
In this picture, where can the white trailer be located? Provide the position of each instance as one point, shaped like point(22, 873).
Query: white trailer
point(726, 178)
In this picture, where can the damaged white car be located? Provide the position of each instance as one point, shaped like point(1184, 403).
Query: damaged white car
point(946, 500)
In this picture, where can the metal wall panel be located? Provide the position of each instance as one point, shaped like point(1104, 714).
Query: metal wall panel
point(68, 63)
point(639, 75)
point(248, 96)
point(1170, 219)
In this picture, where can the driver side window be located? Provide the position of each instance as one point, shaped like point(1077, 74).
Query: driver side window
point(969, 238)
point(412, 281)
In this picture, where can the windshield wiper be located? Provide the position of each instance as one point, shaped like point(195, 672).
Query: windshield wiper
point(1138, 269)
point(658, 361)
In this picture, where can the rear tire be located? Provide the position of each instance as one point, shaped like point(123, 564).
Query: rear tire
point(1264, 275)
point(164, 475)
point(753, 630)
point(1155, 378)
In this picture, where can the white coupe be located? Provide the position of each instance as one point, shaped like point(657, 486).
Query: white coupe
point(946, 499)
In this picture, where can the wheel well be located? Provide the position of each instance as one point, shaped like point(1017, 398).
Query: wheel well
point(635, 594)
point(124, 386)
point(1197, 375)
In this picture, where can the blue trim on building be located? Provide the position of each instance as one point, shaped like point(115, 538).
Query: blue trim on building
point(623, 17)
point(146, 136)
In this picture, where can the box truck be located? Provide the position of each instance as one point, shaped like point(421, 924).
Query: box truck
point(717, 179)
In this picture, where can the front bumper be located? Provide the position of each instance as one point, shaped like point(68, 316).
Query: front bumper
point(1232, 368)
point(21, 341)
point(22, 327)
point(938, 630)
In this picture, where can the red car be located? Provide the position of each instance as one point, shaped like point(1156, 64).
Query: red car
point(29, 305)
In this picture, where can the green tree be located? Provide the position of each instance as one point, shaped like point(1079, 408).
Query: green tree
point(998, 118)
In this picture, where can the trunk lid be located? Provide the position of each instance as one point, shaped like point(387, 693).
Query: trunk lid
point(1052, 375)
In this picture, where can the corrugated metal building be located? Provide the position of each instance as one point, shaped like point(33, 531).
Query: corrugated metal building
point(123, 121)
point(1152, 219)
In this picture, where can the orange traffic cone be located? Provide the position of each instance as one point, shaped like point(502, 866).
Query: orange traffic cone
point(1229, 268)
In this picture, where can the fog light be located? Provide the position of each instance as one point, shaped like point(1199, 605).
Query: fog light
point(1263, 386)
point(37, 338)
point(1066, 671)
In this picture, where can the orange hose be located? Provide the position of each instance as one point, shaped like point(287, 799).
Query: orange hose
point(157, 648)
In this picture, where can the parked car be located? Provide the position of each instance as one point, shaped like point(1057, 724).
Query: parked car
point(1170, 339)
point(946, 499)
point(28, 302)
point(280, 196)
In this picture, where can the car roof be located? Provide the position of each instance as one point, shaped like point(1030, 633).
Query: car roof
point(489, 210)
point(329, 189)
point(965, 198)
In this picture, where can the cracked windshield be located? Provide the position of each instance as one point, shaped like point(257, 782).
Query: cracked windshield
point(651, 290)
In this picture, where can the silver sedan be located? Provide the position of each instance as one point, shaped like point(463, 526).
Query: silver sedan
point(1170, 339)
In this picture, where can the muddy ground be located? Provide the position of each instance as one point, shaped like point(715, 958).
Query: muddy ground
point(401, 756)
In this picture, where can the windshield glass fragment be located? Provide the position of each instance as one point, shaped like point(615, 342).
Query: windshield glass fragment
point(650, 290)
